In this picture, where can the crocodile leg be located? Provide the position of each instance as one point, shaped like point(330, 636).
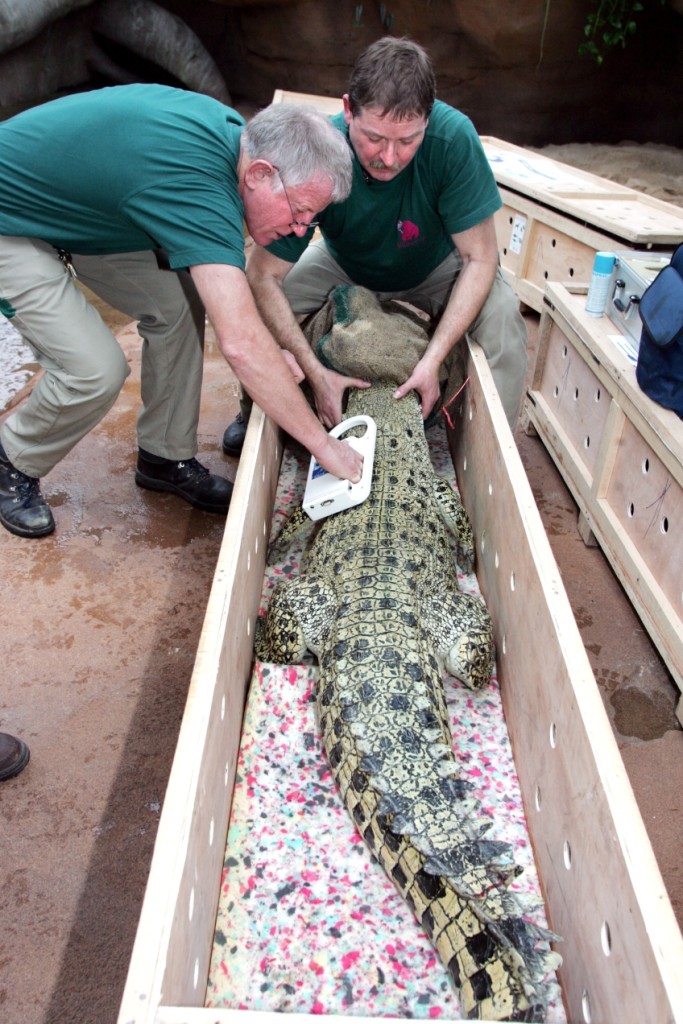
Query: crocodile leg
point(461, 633)
point(456, 520)
point(300, 615)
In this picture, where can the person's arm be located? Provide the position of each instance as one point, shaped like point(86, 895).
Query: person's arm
point(266, 274)
point(260, 366)
point(479, 250)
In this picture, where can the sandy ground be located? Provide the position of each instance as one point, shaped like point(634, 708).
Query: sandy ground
point(653, 169)
point(100, 625)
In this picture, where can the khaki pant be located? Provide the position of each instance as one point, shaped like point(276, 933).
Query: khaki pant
point(84, 366)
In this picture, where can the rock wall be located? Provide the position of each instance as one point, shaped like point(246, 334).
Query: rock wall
point(514, 68)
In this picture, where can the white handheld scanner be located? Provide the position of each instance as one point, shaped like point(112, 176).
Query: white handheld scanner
point(326, 494)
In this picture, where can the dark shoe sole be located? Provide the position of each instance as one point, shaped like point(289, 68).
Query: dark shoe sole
point(234, 450)
point(152, 484)
point(235, 447)
point(19, 764)
point(23, 531)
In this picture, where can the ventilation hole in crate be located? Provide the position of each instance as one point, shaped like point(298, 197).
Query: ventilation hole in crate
point(510, 220)
point(545, 274)
point(576, 394)
point(631, 510)
point(586, 1007)
point(190, 908)
point(606, 939)
point(505, 252)
point(556, 391)
point(565, 351)
point(195, 976)
point(512, 580)
point(537, 798)
point(223, 708)
point(646, 465)
point(586, 441)
point(553, 243)
point(553, 735)
point(567, 854)
point(598, 394)
point(664, 525)
point(212, 829)
point(571, 271)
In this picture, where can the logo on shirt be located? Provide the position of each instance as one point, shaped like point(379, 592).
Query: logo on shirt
point(409, 233)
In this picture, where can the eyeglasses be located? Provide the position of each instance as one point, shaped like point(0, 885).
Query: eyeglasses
point(294, 223)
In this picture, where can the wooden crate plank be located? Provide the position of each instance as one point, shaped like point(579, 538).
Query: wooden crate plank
point(537, 175)
point(622, 945)
point(325, 104)
point(170, 960)
point(647, 504)
point(619, 211)
point(598, 523)
point(632, 501)
point(575, 398)
point(181, 1015)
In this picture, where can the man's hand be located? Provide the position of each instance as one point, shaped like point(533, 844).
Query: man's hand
point(340, 459)
point(425, 380)
point(328, 391)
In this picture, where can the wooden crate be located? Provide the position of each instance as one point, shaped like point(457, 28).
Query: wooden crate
point(325, 104)
point(621, 456)
point(556, 217)
point(622, 946)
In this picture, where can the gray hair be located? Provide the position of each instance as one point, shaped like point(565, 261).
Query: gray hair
point(302, 144)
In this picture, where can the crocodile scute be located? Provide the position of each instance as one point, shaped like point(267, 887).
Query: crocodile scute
point(377, 601)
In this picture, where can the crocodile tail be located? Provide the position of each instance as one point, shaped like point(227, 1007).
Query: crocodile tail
point(495, 957)
point(475, 923)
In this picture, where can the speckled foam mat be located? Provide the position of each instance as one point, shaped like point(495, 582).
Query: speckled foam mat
point(307, 921)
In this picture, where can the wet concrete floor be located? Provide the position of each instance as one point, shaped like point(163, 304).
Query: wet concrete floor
point(100, 626)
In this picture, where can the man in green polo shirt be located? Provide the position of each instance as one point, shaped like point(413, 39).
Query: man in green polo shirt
point(418, 226)
point(141, 192)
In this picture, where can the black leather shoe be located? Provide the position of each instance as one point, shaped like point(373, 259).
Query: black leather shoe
point(23, 509)
point(233, 438)
point(14, 756)
point(188, 479)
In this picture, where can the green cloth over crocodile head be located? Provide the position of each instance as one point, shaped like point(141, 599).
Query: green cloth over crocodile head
point(357, 335)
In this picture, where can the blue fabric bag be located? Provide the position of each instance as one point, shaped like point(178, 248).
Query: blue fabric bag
point(659, 370)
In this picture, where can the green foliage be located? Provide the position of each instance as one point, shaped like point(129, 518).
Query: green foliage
point(609, 26)
point(386, 19)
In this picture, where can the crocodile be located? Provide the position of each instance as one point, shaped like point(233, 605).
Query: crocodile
point(377, 602)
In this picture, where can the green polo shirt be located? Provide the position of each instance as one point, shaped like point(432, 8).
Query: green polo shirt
point(124, 169)
point(388, 236)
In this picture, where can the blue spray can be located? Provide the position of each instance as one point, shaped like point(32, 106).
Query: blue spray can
point(596, 300)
